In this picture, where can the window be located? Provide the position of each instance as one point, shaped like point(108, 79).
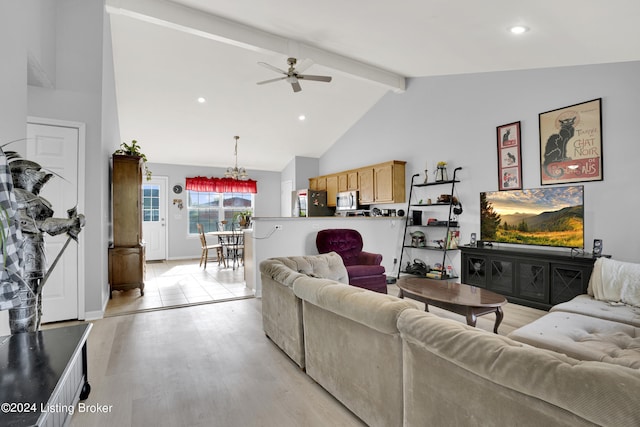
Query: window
point(150, 203)
point(209, 209)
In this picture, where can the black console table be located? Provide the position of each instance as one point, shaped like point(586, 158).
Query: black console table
point(43, 375)
point(532, 277)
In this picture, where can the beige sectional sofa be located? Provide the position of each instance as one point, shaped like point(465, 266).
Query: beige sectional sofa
point(281, 309)
point(394, 365)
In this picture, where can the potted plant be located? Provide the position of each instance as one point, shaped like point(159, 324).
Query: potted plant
point(133, 149)
point(243, 218)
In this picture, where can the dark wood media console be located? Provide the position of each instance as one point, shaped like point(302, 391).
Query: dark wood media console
point(532, 277)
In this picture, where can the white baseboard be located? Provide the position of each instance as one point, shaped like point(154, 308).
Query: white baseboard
point(177, 258)
point(93, 315)
point(98, 314)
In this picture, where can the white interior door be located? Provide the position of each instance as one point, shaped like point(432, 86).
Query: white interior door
point(57, 148)
point(154, 214)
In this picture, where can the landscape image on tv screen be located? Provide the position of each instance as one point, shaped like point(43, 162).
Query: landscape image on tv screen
point(552, 216)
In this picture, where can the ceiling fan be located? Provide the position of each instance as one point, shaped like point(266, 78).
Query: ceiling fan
point(292, 76)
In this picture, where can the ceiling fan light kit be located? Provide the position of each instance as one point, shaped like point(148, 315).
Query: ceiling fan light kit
point(291, 75)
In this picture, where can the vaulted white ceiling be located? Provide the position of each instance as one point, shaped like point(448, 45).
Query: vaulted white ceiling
point(167, 54)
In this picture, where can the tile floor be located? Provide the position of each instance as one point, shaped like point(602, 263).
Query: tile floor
point(180, 283)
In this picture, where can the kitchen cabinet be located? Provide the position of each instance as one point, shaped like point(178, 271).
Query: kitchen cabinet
point(388, 181)
point(380, 183)
point(313, 184)
point(366, 193)
point(332, 190)
point(343, 182)
point(352, 181)
point(321, 183)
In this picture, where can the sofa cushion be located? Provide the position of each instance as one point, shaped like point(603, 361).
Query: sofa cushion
point(286, 270)
point(372, 309)
point(589, 306)
point(584, 338)
point(459, 375)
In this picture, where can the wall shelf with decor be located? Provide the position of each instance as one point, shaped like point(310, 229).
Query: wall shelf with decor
point(415, 244)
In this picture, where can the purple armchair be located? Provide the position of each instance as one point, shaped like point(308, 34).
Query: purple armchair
point(363, 268)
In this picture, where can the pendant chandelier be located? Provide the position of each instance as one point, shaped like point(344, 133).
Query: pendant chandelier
point(235, 172)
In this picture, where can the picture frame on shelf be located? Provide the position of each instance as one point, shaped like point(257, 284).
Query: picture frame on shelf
point(571, 143)
point(509, 157)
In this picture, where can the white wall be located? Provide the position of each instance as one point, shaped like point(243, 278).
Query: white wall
point(77, 27)
point(41, 42)
point(299, 170)
point(13, 86)
point(77, 96)
point(181, 245)
point(454, 118)
point(13, 72)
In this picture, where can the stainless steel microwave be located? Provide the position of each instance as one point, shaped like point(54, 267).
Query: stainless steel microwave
point(347, 201)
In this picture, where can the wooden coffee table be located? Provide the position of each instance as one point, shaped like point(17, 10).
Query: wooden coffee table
point(469, 301)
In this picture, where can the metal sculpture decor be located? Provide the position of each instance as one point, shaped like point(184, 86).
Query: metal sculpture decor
point(24, 218)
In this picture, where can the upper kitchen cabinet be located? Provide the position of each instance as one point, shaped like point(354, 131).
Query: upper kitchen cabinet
point(332, 190)
point(389, 182)
point(318, 183)
point(381, 183)
point(366, 186)
point(343, 182)
point(352, 180)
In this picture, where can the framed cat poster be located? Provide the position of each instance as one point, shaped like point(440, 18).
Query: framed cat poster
point(509, 157)
point(571, 143)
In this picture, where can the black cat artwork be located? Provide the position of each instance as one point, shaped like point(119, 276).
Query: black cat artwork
point(505, 137)
point(556, 148)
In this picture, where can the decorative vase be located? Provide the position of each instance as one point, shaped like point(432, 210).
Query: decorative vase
point(426, 176)
point(441, 174)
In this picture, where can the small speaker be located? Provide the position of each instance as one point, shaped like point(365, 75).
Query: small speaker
point(597, 247)
point(417, 217)
point(472, 241)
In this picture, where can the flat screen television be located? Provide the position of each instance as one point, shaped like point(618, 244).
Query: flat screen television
point(550, 216)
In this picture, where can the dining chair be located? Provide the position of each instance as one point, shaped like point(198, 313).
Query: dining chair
point(205, 249)
point(235, 245)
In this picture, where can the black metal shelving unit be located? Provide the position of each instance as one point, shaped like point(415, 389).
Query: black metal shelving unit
point(448, 226)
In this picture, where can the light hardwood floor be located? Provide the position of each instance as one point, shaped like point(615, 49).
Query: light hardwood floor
point(212, 365)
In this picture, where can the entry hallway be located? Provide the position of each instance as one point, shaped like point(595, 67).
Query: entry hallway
point(212, 365)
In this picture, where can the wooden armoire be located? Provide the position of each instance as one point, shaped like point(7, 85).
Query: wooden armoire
point(126, 255)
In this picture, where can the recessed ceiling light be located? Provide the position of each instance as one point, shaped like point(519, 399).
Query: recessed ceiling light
point(519, 29)
point(201, 100)
point(302, 117)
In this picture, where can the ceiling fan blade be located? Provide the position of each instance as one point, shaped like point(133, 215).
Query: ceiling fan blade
point(296, 86)
point(315, 78)
point(302, 66)
point(271, 80)
point(272, 68)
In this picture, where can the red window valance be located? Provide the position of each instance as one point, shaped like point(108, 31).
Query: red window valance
point(221, 185)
